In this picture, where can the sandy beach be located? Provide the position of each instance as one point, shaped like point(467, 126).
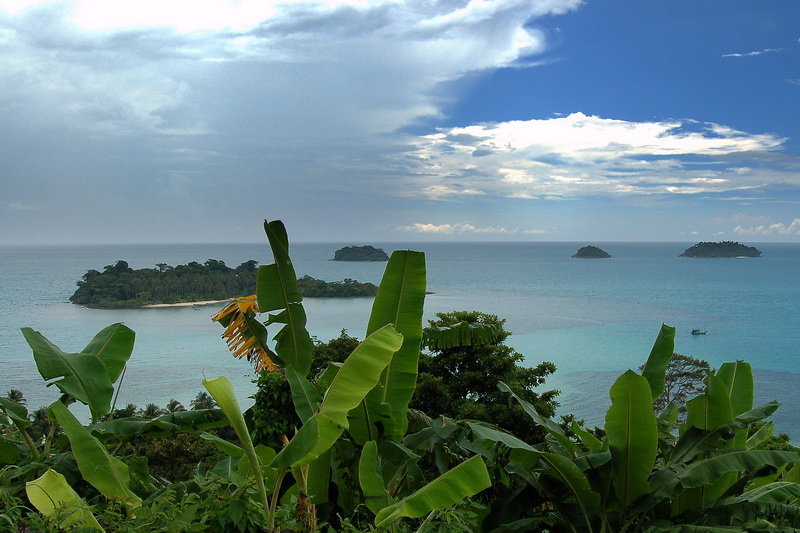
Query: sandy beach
point(187, 304)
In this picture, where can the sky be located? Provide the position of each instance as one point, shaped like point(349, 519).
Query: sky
point(363, 121)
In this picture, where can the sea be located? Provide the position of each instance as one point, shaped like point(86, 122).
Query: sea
point(592, 318)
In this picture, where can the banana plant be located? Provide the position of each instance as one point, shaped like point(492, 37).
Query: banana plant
point(635, 479)
point(364, 409)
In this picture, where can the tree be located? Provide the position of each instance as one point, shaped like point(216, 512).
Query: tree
point(16, 396)
point(683, 380)
point(203, 400)
point(459, 379)
point(151, 410)
point(174, 406)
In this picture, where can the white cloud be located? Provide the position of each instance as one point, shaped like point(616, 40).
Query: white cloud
point(778, 228)
point(577, 154)
point(450, 229)
point(755, 53)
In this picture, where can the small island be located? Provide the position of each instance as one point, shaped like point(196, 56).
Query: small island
point(360, 253)
point(347, 288)
point(721, 249)
point(119, 286)
point(592, 252)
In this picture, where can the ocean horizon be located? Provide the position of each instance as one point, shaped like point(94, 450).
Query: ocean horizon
point(593, 318)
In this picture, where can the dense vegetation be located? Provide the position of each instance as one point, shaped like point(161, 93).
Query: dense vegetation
point(357, 458)
point(360, 253)
point(721, 249)
point(347, 288)
point(119, 286)
point(591, 252)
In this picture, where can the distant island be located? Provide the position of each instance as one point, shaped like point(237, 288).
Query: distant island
point(592, 252)
point(347, 288)
point(721, 249)
point(119, 286)
point(360, 253)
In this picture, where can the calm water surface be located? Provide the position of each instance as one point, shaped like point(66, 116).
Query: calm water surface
point(593, 318)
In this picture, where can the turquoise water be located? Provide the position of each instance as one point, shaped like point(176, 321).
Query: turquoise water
point(592, 318)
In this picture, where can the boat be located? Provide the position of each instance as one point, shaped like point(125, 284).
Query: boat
point(698, 331)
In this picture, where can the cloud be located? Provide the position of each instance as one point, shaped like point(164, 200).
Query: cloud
point(581, 155)
point(450, 229)
point(756, 52)
point(778, 228)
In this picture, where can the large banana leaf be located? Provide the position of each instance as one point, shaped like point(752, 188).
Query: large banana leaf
point(113, 345)
point(222, 391)
point(370, 478)
point(707, 471)
point(565, 471)
point(712, 409)
point(558, 439)
point(632, 433)
point(83, 376)
point(358, 375)
point(463, 481)
point(656, 366)
point(738, 378)
point(104, 472)
point(276, 288)
point(400, 301)
point(163, 426)
point(305, 396)
point(53, 497)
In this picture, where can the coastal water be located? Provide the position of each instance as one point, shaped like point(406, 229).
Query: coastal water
point(592, 318)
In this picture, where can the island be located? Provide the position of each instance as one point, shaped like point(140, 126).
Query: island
point(721, 249)
point(347, 288)
point(592, 252)
point(119, 286)
point(360, 253)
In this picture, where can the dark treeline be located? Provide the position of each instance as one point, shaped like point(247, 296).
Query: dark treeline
point(119, 286)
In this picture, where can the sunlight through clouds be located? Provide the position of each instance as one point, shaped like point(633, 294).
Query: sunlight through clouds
point(580, 155)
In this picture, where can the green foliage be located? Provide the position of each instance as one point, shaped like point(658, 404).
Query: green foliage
point(273, 413)
point(119, 286)
point(721, 249)
point(347, 288)
point(360, 253)
point(642, 477)
point(592, 252)
point(460, 381)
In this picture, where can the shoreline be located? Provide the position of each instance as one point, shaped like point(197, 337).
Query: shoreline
point(200, 303)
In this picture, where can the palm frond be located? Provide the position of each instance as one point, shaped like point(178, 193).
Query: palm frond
point(244, 334)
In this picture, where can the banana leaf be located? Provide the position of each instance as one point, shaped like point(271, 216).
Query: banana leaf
point(463, 481)
point(222, 391)
point(656, 366)
point(370, 478)
point(276, 289)
point(82, 376)
point(358, 375)
point(632, 433)
point(104, 472)
point(53, 497)
point(163, 426)
point(562, 443)
point(305, 396)
point(711, 409)
point(113, 345)
point(738, 379)
point(18, 413)
point(400, 301)
point(707, 471)
point(565, 471)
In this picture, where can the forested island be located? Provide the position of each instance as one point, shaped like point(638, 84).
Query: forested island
point(347, 288)
point(119, 286)
point(360, 253)
point(592, 252)
point(721, 249)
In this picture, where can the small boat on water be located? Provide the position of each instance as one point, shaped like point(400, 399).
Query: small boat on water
point(698, 331)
